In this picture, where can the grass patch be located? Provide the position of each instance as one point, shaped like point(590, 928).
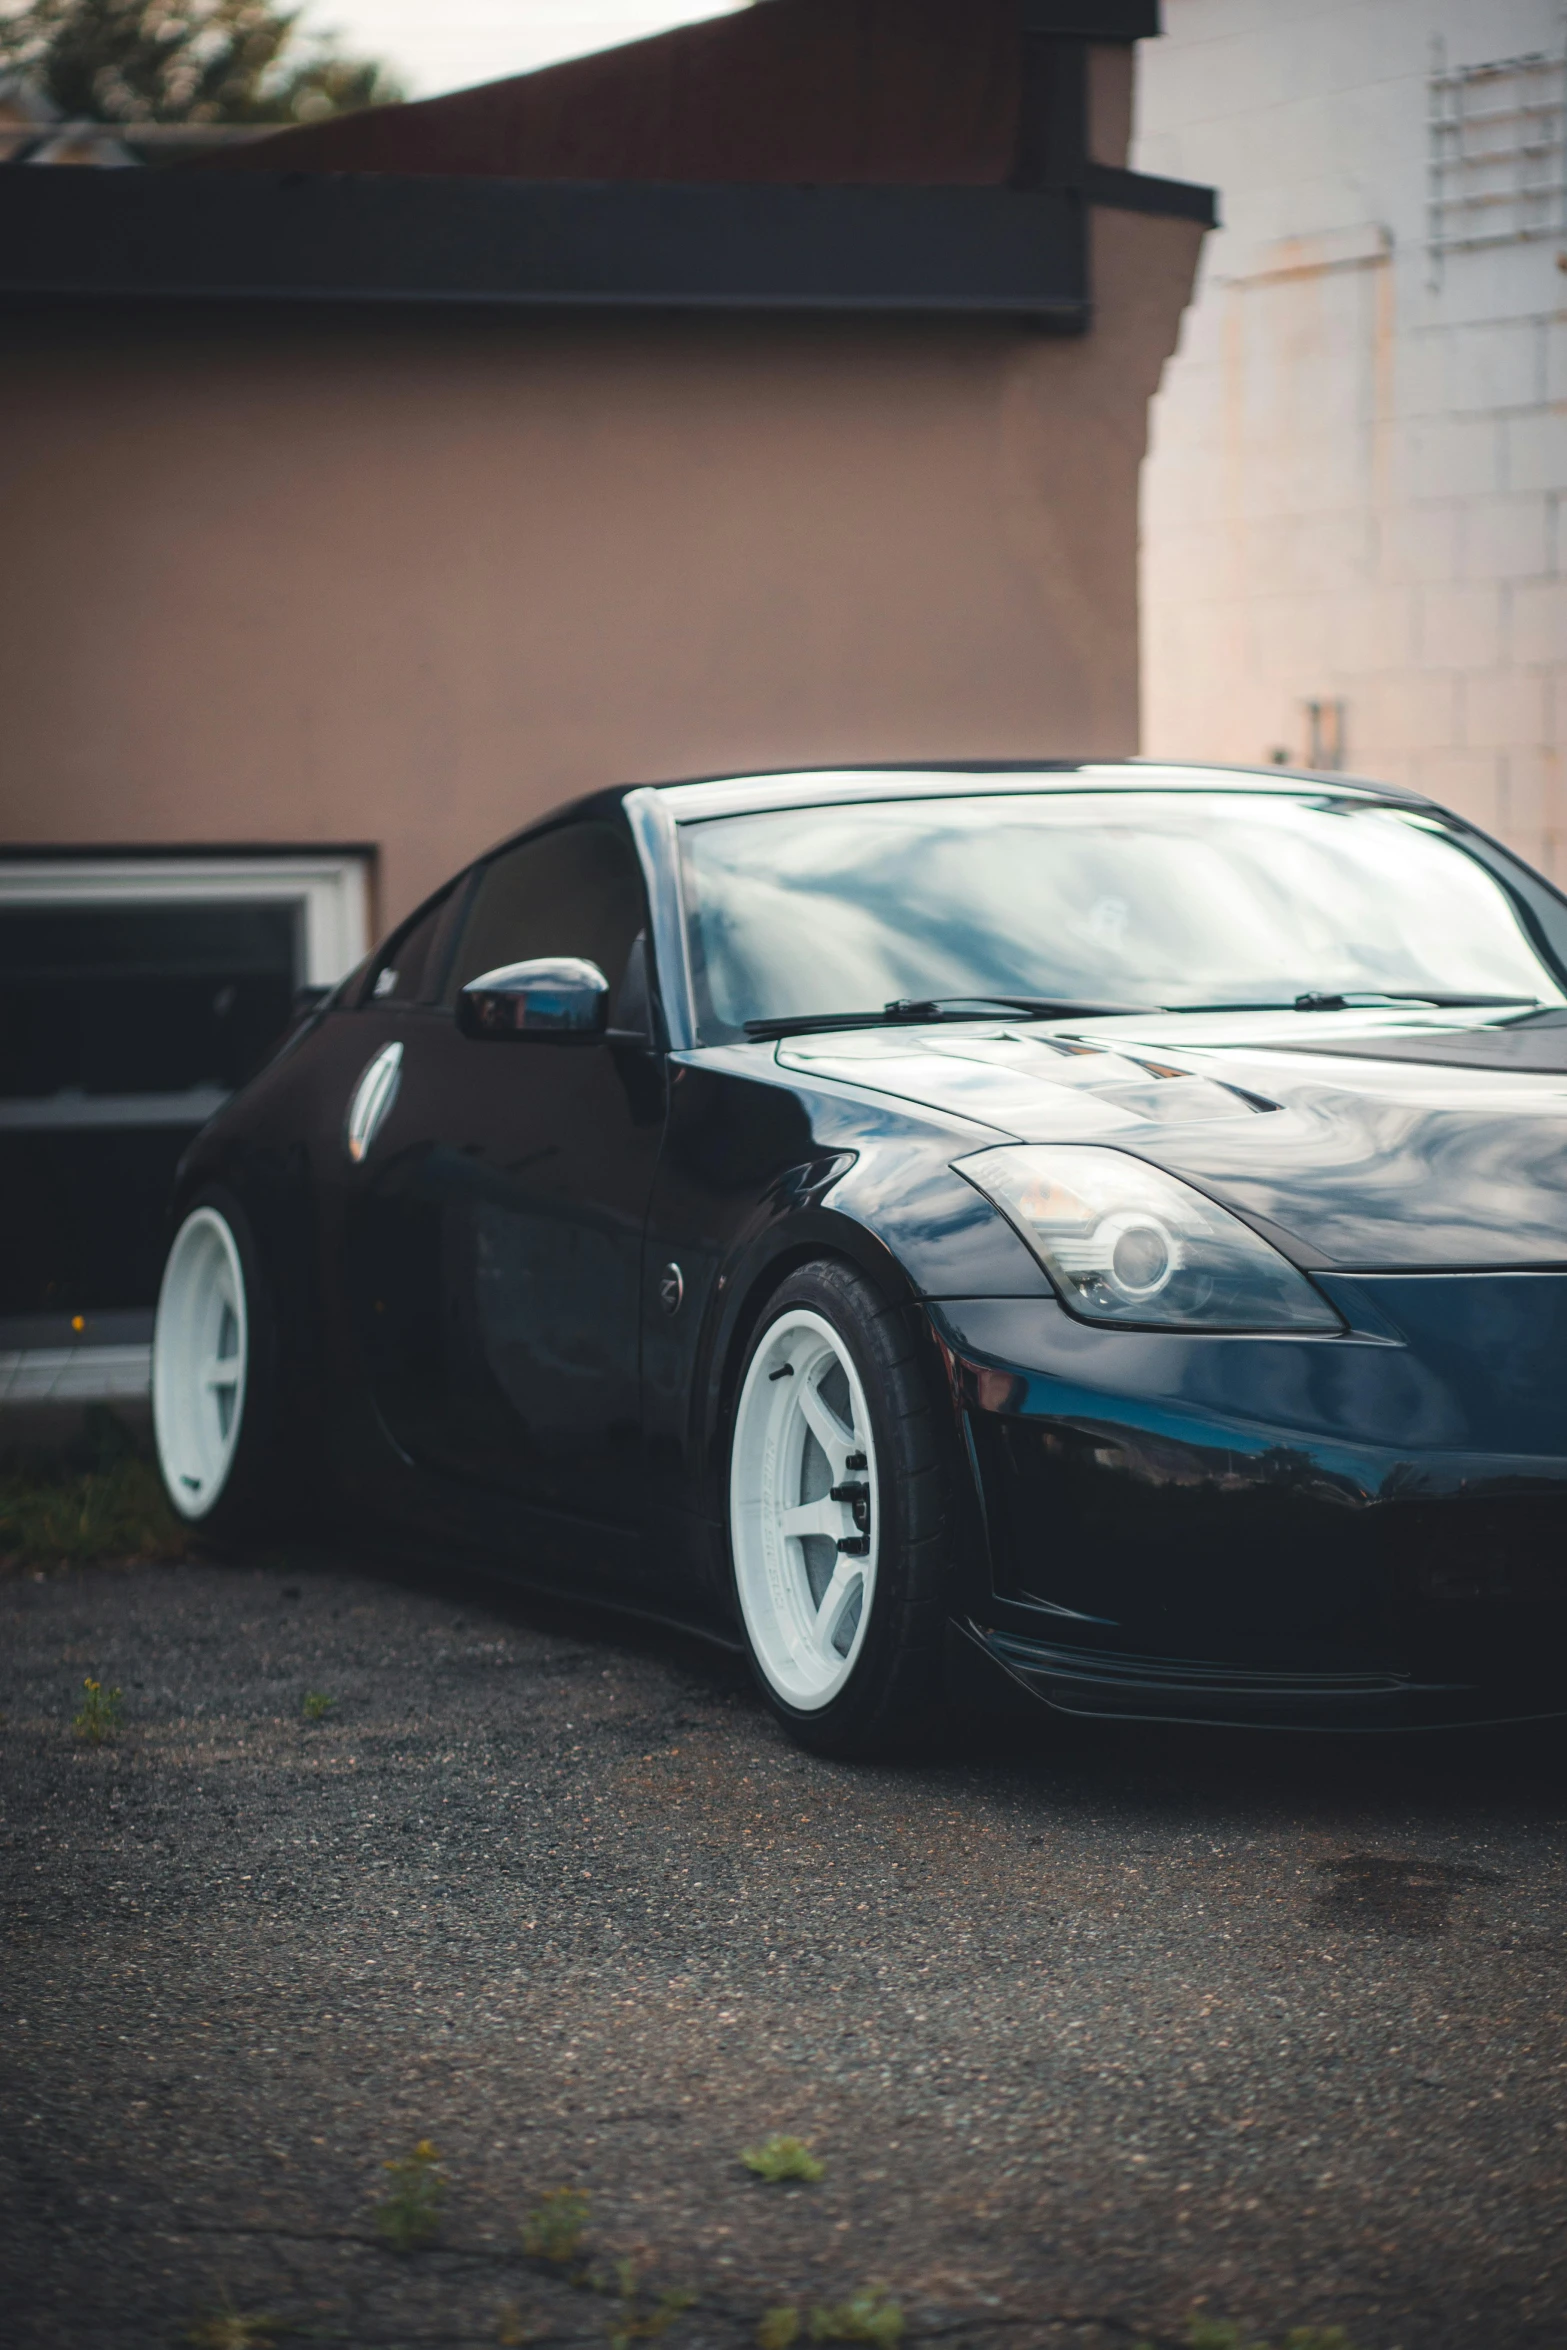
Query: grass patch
point(104, 1501)
point(870, 2315)
point(783, 2158)
point(317, 1705)
point(867, 2316)
point(410, 2217)
point(1218, 2333)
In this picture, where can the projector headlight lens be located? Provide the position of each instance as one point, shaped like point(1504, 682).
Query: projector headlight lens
point(1124, 1242)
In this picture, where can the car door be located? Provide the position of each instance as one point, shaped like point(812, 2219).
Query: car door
point(494, 1253)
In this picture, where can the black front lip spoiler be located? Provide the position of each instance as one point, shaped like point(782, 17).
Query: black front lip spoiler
point(1157, 1689)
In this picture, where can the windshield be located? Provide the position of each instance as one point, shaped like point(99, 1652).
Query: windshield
point(1175, 899)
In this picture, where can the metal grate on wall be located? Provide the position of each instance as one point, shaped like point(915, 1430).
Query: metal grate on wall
point(1498, 153)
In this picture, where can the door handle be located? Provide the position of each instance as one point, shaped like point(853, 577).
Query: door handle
point(372, 1098)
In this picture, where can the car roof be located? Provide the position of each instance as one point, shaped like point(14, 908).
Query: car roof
point(808, 787)
point(693, 799)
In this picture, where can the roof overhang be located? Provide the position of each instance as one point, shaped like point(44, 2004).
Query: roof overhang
point(1092, 20)
point(556, 245)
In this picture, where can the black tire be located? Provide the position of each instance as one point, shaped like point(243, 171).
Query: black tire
point(259, 1491)
point(892, 1700)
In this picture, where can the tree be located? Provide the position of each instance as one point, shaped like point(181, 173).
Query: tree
point(195, 61)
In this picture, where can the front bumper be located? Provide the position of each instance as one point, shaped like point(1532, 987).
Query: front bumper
point(1365, 1531)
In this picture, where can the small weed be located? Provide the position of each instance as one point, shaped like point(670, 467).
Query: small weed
point(228, 2328)
point(512, 2329)
point(783, 2158)
point(411, 2214)
point(635, 2318)
point(779, 2328)
point(317, 1705)
point(867, 2316)
point(99, 1717)
point(553, 2228)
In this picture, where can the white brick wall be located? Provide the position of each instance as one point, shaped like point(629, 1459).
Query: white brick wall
point(1358, 460)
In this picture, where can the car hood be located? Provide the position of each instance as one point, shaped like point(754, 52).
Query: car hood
point(1404, 1147)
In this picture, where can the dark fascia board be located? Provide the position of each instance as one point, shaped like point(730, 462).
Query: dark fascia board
point(253, 236)
point(1138, 191)
point(1093, 20)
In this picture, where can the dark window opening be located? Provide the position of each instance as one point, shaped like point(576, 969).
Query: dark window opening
point(84, 1228)
point(122, 1028)
point(141, 999)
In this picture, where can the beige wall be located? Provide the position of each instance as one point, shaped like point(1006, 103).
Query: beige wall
point(409, 581)
point(1359, 474)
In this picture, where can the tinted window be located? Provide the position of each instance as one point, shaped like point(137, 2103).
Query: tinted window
point(1176, 899)
point(575, 891)
point(404, 966)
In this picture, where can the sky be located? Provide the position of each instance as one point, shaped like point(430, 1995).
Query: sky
point(435, 45)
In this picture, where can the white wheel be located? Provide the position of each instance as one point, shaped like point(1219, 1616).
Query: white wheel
point(201, 1354)
point(804, 1519)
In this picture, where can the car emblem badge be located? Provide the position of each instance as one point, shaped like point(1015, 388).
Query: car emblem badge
point(671, 1289)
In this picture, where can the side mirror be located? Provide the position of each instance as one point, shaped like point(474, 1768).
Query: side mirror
point(555, 1000)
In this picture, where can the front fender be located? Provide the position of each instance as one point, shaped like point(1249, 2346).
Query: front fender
point(902, 1192)
point(759, 1176)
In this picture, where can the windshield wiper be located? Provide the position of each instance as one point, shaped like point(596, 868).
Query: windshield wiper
point(909, 1012)
point(1363, 1000)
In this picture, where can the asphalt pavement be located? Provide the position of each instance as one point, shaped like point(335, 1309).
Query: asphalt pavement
point(1091, 2028)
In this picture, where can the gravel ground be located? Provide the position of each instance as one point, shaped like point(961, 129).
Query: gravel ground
point(1092, 2028)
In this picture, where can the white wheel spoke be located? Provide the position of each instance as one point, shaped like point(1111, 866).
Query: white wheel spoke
point(221, 1371)
point(836, 1441)
point(817, 1517)
point(845, 1582)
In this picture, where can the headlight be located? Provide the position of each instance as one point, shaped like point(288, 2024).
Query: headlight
point(1124, 1243)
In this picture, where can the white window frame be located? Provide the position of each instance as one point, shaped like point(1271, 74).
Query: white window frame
point(332, 893)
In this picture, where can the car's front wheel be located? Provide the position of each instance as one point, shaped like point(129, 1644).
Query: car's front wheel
point(213, 1360)
point(840, 1522)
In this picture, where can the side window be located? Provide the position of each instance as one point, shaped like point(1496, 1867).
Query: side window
point(403, 965)
point(574, 891)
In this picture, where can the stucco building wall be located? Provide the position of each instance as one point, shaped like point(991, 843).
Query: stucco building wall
point(409, 581)
point(1359, 456)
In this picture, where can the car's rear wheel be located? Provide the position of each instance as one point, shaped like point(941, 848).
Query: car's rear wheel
point(212, 1376)
point(839, 1516)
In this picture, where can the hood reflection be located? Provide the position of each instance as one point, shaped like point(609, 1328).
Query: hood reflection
point(1376, 1164)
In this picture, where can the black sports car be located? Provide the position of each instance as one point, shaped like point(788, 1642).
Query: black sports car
point(1107, 1219)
